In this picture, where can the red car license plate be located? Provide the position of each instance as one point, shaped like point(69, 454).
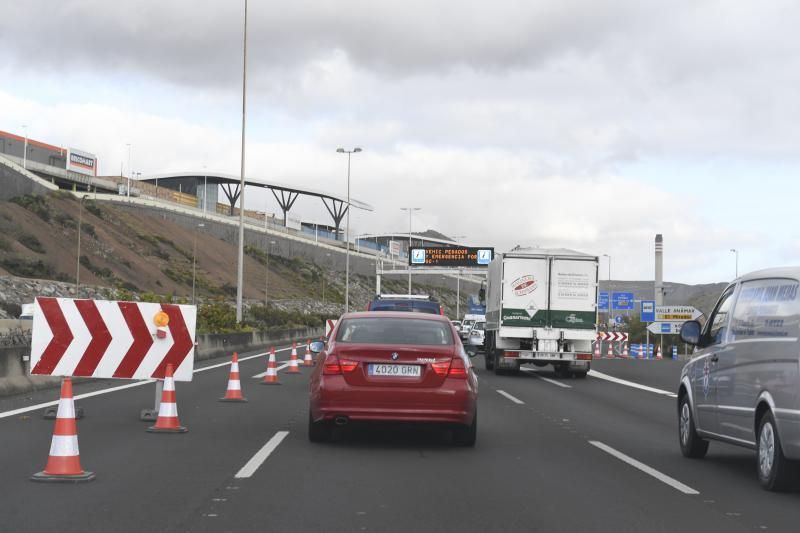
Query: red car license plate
point(406, 371)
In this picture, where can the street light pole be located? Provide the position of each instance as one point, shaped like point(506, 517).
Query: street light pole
point(736, 253)
point(78, 261)
point(128, 192)
point(347, 231)
point(194, 260)
point(266, 283)
point(25, 148)
point(240, 255)
point(409, 209)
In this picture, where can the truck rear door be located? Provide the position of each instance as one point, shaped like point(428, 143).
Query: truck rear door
point(573, 293)
point(525, 295)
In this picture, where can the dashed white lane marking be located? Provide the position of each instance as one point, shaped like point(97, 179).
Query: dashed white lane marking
point(22, 410)
point(261, 455)
point(512, 398)
point(672, 482)
point(600, 375)
point(533, 372)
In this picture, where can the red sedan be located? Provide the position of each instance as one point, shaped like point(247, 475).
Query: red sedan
point(393, 366)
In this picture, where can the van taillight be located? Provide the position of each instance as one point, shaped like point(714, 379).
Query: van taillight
point(584, 357)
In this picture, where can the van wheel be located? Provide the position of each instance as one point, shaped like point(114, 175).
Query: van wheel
point(775, 472)
point(318, 431)
point(691, 444)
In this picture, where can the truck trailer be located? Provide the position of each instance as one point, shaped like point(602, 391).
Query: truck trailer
point(541, 308)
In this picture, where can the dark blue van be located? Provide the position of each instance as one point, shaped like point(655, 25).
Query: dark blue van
point(402, 302)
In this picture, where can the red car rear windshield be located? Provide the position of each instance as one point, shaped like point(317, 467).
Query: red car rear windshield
point(390, 330)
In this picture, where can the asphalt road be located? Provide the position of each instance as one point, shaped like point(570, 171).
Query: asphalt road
point(552, 455)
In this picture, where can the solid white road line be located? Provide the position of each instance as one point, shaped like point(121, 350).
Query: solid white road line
point(533, 372)
point(261, 455)
point(672, 482)
point(600, 375)
point(507, 395)
point(30, 408)
point(277, 369)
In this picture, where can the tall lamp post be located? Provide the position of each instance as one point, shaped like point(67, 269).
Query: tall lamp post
point(240, 254)
point(25, 148)
point(458, 279)
point(410, 210)
point(347, 231)
point(266, 282)
point(128, 192)
point(736, 253)
point(194, 260)
point(78, 261)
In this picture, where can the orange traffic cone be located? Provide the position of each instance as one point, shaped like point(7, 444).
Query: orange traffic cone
point(625, 350)
point(64, 462)
point(307, 360)
point(272, 371)
point(167, 421)
point(610, 354)
point(234, 392)
point(658, 352)
point(293, 367)
point(597, 348)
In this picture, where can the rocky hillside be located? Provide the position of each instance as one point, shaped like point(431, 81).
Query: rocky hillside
point(124, 252)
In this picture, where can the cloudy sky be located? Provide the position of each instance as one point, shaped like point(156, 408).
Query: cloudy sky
point(585, 124)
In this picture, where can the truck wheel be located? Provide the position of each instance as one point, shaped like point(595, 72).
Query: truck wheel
point(561, 371)
point(488, 361)
point(580, 375)
point(775, 472)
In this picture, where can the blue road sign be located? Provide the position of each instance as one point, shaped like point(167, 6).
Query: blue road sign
point(418, 256)
point(666, 327)
point(618, 319)
point(602, 303)
point(622, 301)
point(648, 311)
point(674, 352)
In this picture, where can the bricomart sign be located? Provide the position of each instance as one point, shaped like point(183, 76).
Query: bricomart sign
point(460, 256)
point(81, 162)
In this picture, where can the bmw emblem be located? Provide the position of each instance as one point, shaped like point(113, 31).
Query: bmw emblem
point(395, 356)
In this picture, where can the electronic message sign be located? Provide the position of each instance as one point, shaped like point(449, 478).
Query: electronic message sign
point(459, 256)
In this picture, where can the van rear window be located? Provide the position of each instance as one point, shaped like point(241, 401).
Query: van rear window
point(766, 308)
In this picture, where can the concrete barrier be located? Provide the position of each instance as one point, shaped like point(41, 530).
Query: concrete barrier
point(15, 377)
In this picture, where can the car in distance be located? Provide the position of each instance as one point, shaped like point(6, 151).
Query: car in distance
point(457, 325)
point(741, 385)
point(395, 367)
point(476, 336)
point(414, 303)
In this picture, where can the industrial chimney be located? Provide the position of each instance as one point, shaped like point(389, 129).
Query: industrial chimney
point(659, 284)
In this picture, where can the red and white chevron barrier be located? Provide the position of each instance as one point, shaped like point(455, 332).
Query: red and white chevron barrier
point(108, 339)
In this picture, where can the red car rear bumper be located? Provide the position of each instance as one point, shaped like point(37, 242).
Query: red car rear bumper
point(455, 402)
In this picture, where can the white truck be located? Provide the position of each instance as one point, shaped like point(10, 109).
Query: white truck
point(541, 308)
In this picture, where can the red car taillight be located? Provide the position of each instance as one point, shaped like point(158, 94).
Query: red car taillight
point(334, 366)
point(451, 369)
point(441, 367)
point(457, 369)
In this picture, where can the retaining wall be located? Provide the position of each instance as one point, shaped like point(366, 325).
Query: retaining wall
point(15, 379)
